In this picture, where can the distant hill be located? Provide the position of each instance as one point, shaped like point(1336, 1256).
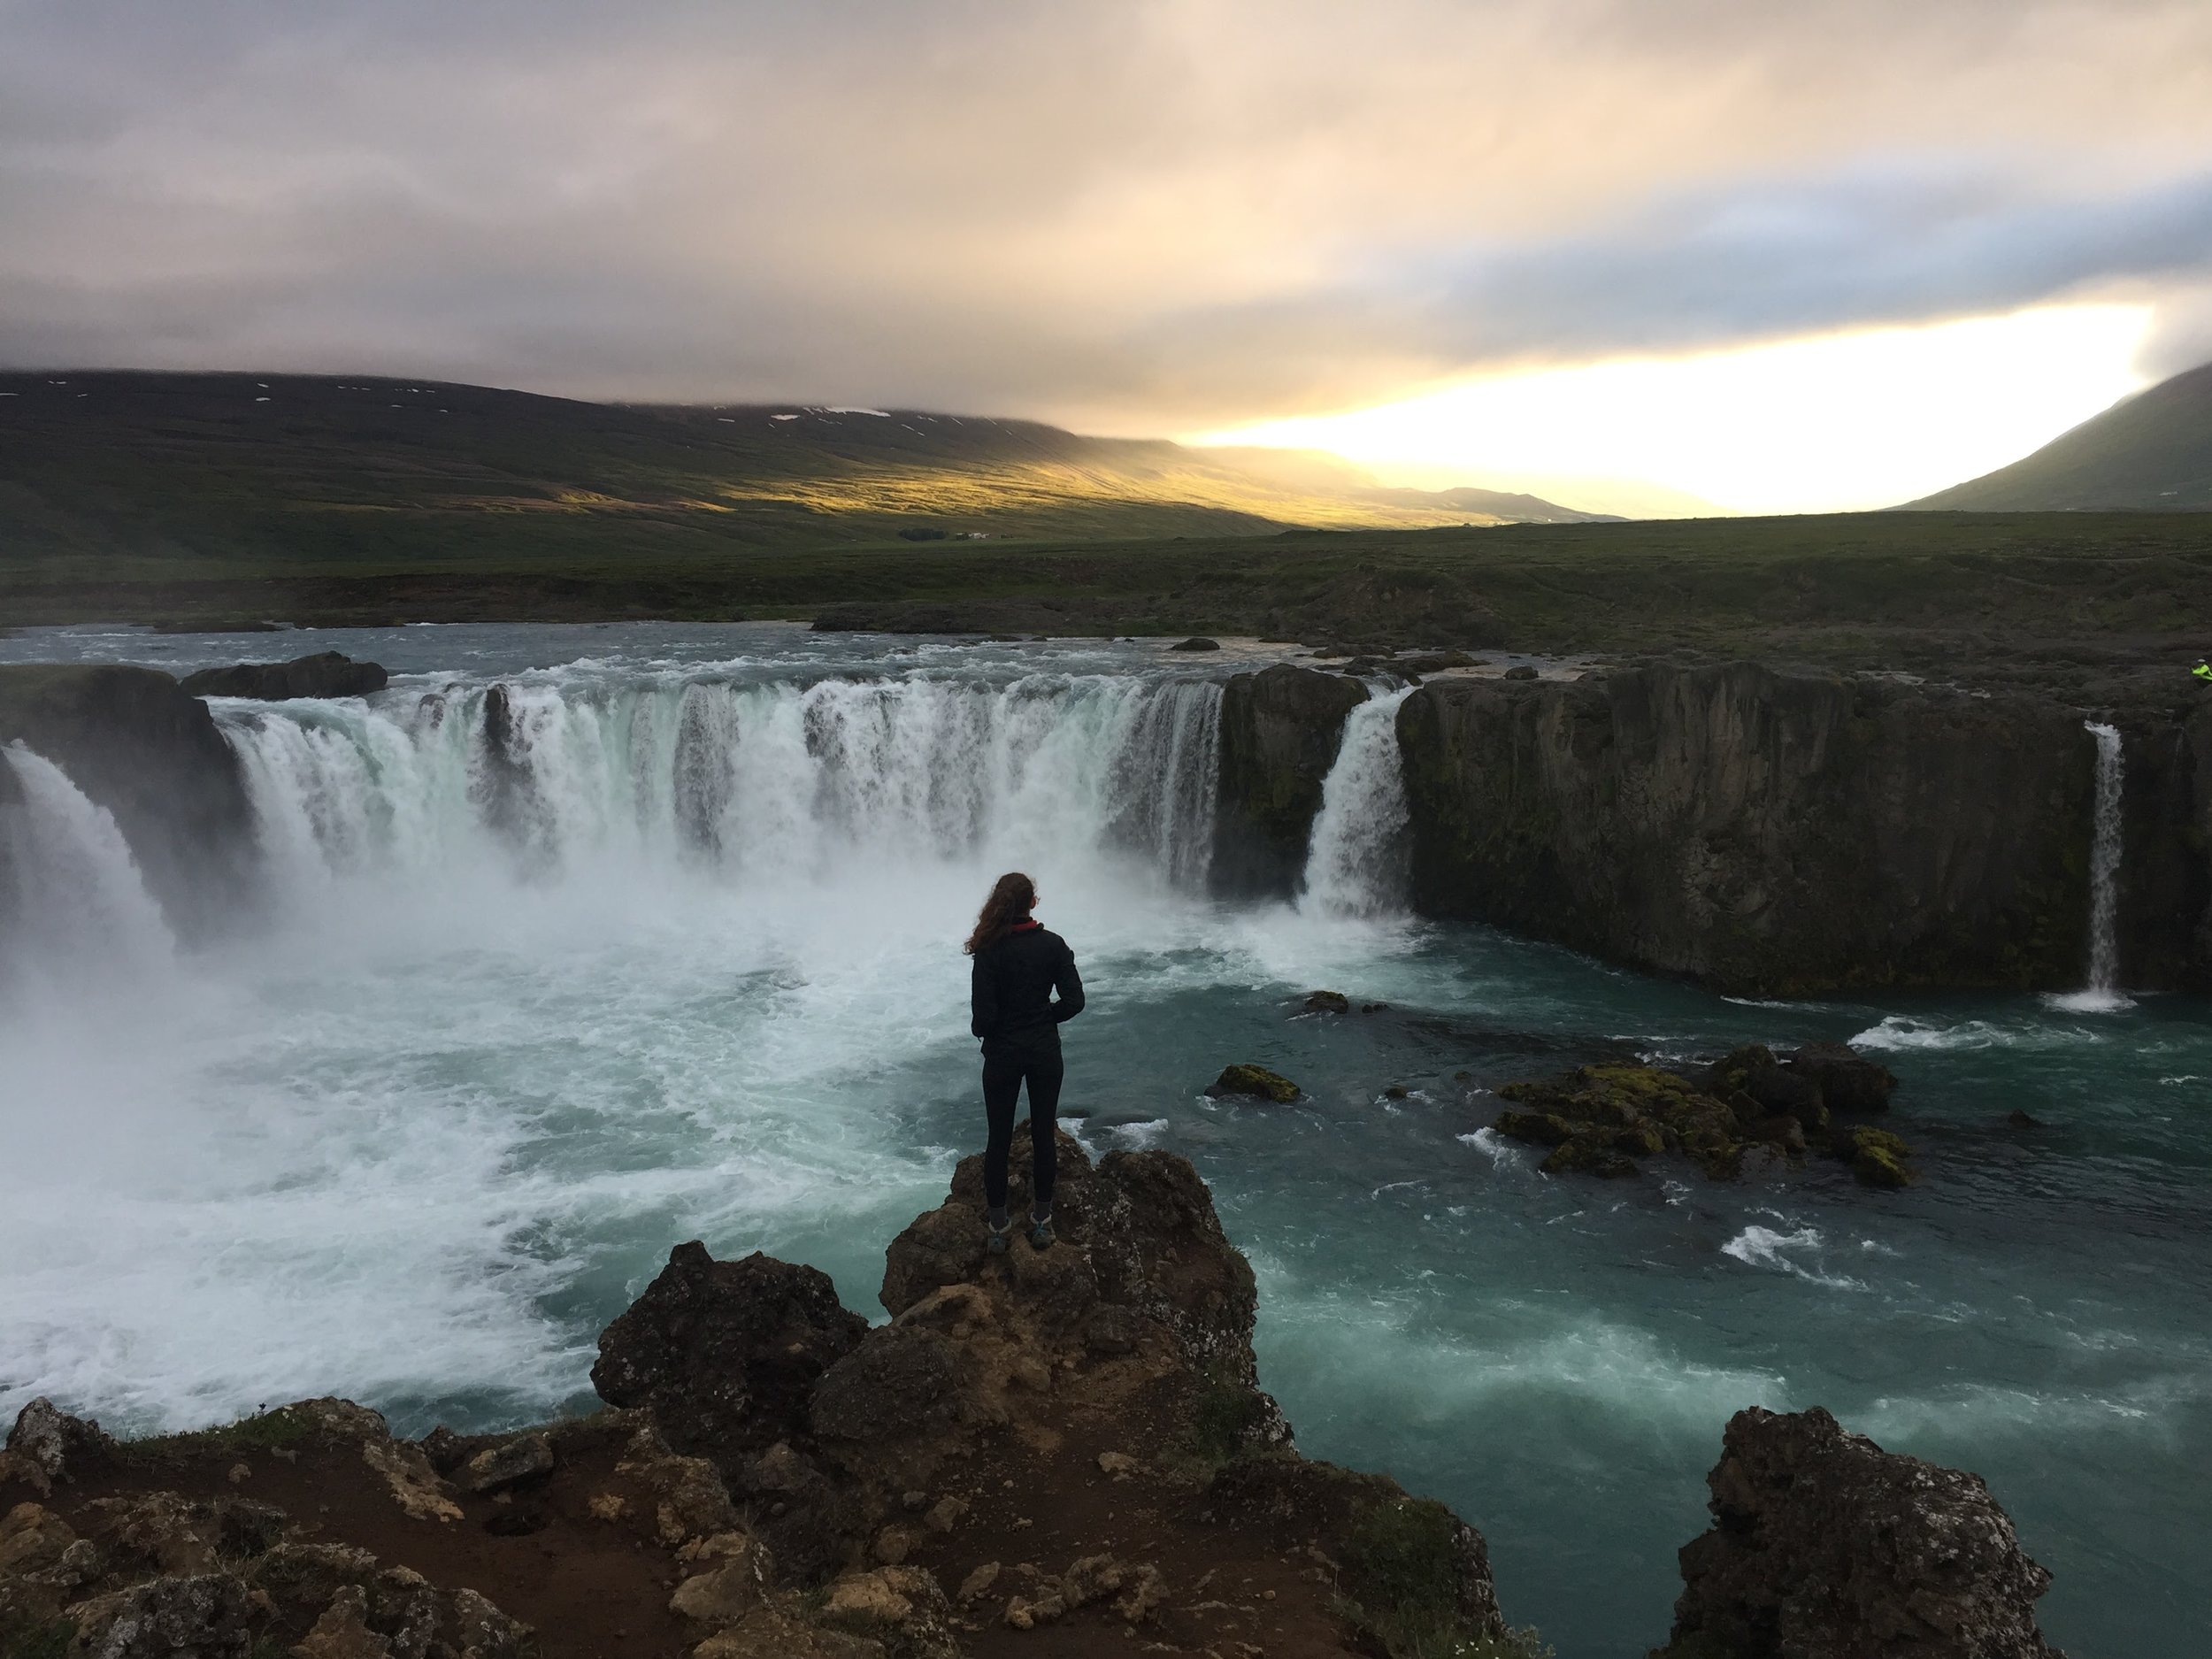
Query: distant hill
point(2151, 452)
point(161, 465)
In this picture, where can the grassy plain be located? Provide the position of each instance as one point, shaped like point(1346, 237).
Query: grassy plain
point(202, 513)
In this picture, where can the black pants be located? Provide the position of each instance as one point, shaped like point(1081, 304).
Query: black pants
point(1004, 1075)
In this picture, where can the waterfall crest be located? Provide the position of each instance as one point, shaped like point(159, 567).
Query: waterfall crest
point(2102, 994)
point(1355, 862)
point(777, 781)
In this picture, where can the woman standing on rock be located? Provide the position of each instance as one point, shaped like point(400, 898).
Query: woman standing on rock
point(1018, 965)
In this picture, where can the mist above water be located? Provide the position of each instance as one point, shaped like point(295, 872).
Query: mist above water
point(678, 957)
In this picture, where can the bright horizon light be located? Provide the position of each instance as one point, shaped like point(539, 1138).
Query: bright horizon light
point(1868, 418)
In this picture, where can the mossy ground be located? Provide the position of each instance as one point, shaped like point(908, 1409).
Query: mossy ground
point(1402, 1584)
point(264, 1431)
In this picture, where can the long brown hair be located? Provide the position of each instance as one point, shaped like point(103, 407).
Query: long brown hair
point(1013, 897)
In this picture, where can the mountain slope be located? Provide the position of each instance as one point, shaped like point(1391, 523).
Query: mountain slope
point(159, 466)
point(2151, 452)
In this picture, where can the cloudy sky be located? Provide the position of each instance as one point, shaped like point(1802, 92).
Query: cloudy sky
point(1773, 255)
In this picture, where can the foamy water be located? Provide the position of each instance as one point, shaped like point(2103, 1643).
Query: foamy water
point(687, 969)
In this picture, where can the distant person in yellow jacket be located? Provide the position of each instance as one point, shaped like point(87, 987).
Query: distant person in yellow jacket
point(2203, 671)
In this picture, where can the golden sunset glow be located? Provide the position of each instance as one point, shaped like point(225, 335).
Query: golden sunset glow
point(1867, 419)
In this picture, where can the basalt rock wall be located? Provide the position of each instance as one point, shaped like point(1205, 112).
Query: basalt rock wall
point(1279, 732)
point(1760, 830)
point(136, 744)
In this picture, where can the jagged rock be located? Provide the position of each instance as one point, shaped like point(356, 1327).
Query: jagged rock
point(364, 1609)
point(1137, 1232)
point(206, 1616)
point(1848, 1080)
point(167, 1532)
point(978, 1583)
point(689, 1499)
point(1521, 671)
point(725, 1354)
point(1824, 1544)
point(521, 1458)
point(905, 1399)
point(903, 1608)
point(775, 1632)
point(808, 1520)
point(1145, 1595)
point(325, 674)
point(1245, 1080)
point(1279, 733)
point(46, 1446)
point(722, 1595)
point(1327, 1003)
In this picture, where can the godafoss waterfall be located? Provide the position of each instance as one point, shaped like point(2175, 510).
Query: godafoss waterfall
point(573, 942)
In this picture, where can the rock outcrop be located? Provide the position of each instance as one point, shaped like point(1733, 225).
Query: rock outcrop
point(1758, 830)
point(1824, 1544)
point(136, 744)
point(727, 1354)
point(154, 1573)
point(1279, 732)
point(1745, 1110)
point(325, 674)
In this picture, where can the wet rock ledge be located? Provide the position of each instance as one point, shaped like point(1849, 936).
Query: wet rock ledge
point(1056, 1453)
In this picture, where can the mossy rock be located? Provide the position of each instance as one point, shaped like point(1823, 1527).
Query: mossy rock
point(1252, 1082)
point(1876, 1157)
point(1600, 1119)
point(1589, 1155)
point(1539, 1129)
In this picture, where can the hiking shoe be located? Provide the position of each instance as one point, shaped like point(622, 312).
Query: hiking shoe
point(1041, 1235)
point(995, 1244)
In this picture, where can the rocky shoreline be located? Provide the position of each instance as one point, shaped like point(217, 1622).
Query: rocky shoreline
point(1059, 1453)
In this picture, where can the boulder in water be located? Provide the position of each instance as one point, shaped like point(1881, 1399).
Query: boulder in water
point(1876, 1158)
point(1823, 1543)
point(1848, 1080)
point(726, 1354)
point(1196, 642)
point(1246, 1081)
point(1327, 1003)
point(1599, 1119)
point(325, 674)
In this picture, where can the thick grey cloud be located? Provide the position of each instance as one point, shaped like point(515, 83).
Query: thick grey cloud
point(1139, 216)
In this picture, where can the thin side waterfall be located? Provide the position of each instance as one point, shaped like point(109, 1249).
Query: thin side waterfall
point(2103, 992)
point(776, 781)
point(1355, 862)
point(75, 909)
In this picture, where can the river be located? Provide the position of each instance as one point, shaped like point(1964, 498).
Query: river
point(418, 1127)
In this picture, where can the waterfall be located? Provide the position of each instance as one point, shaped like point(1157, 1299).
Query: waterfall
point(1356, 863)
point(770, 781)
point(2102, 994)
point(77, 915)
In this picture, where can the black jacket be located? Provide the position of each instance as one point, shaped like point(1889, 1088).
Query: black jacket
point(1012, 986)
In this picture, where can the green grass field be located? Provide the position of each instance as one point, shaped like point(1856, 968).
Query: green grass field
point(208, 516)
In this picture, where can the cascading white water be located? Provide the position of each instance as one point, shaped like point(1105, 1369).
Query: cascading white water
point(2102, 994)
point(1355, 862)
point(777, 782)
point(77, 912)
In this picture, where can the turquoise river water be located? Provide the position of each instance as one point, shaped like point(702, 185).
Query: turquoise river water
point(425, 1120)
